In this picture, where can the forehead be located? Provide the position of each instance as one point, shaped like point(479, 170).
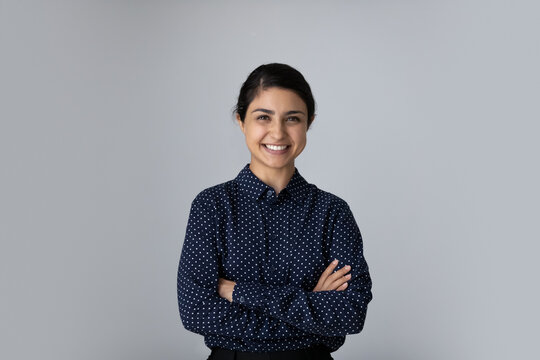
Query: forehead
point(278, 99)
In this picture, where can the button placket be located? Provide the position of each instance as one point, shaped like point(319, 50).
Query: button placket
point(277, 232)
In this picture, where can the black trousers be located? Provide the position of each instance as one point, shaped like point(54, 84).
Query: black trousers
point(312, 353)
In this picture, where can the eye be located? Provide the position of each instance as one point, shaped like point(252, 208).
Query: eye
point(262, 117)
point(293, 118)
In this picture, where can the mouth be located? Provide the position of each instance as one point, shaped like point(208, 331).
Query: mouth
point(276, 149)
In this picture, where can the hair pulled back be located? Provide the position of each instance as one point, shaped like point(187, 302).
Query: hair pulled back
point(274, 75)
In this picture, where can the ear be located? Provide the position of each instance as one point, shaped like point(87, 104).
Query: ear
point(240, 123)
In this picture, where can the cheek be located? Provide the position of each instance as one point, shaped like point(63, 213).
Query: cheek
point(254, 135)
point(301, 138)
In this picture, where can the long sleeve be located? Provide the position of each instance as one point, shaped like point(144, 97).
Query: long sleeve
point(201, 308)
point(328, 313)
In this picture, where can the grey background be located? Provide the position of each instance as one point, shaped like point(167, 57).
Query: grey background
point(115, 114)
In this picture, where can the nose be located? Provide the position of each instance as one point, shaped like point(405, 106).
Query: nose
point(277, 129)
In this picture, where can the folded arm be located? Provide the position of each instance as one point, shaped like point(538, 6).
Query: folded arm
point(201, 308)
point(328, 313)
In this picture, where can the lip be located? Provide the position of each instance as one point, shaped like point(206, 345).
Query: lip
point(276, 152)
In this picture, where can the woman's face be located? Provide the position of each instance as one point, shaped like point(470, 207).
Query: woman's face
point(275, 117)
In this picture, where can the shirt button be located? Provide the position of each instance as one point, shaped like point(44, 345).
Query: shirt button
point(241, 299)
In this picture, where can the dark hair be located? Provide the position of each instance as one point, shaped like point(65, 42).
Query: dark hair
point(274, 75)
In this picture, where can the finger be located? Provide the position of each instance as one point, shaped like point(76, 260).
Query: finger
point(327, 272)
point(343, 287)
point(338, 274)
point(330, 268)
point(344, 270)
point(339, 282)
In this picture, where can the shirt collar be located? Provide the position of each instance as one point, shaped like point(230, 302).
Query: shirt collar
point(253, 187)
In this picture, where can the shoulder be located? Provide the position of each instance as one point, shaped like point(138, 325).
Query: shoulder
point(338, 213)
point(215, 194)
point(328, 200)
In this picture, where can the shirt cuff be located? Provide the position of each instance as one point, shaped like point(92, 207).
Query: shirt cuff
point(252, 295)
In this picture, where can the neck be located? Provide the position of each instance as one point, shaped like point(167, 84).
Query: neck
point(275, 178)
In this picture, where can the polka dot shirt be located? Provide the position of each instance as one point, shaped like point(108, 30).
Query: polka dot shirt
point(275, 247)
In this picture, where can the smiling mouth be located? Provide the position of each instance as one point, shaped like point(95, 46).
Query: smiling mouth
point(276, 147)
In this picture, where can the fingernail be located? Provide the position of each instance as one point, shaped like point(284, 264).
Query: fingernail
point(335, 261)
point(347, 267)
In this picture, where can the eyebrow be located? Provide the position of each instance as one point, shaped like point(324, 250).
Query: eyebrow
point(272, 112)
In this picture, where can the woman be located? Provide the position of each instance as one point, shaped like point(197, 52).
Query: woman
point(272, 266)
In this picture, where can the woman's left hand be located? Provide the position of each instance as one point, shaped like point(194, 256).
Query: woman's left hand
point(225, 288)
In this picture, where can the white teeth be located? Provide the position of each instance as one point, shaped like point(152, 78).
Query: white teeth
point(274, 147)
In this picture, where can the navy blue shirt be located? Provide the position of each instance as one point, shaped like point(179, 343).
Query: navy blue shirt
point(275, 247)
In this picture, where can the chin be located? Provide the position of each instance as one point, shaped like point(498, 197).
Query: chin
point(280, 165)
